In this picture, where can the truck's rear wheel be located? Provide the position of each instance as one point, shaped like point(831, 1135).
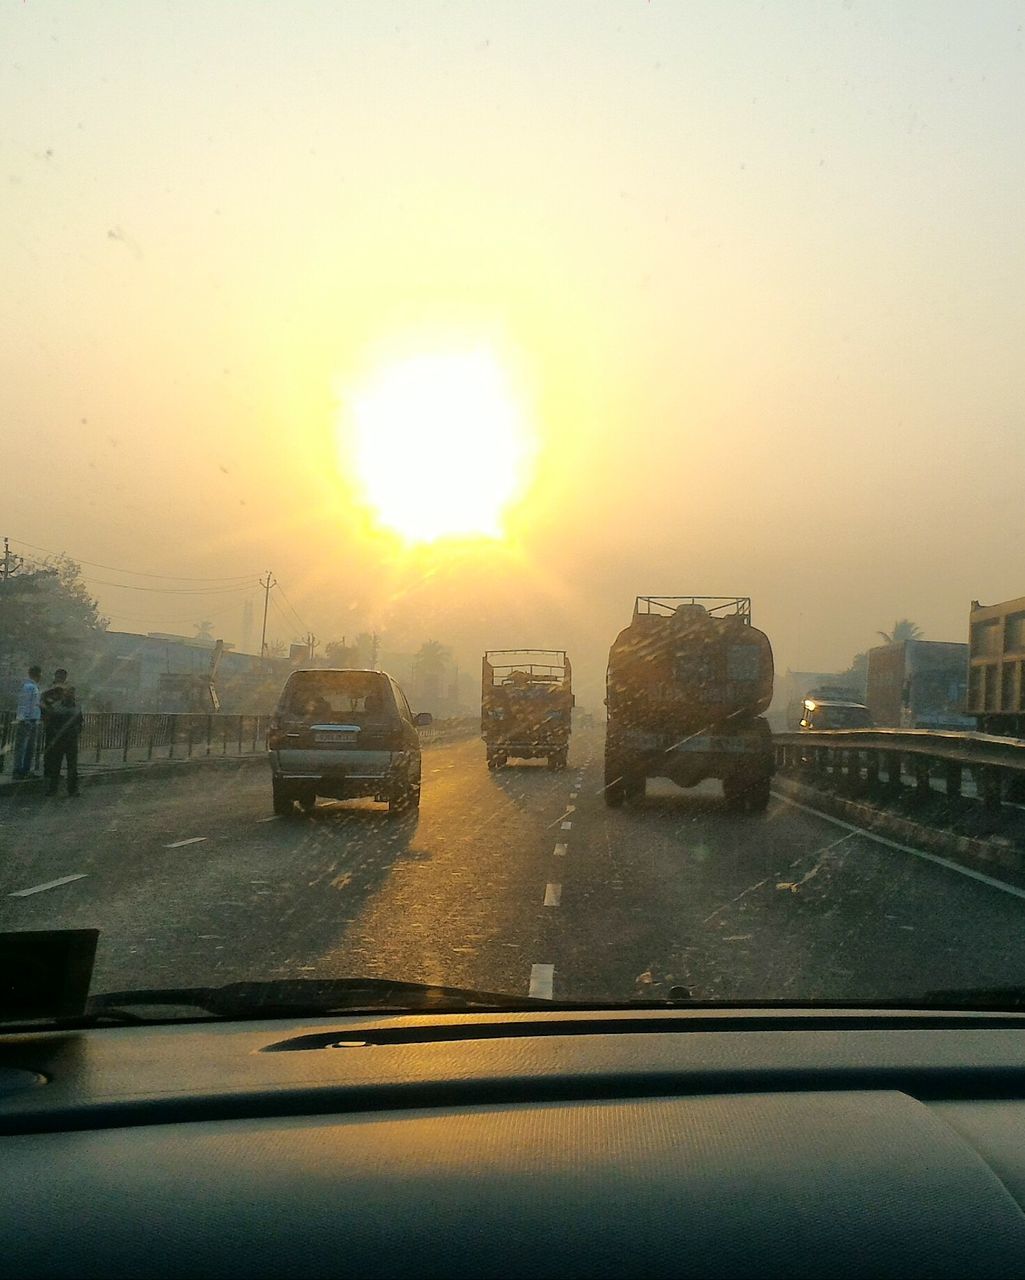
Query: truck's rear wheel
point(757, 796)
point(615, 791)
point(746, 795)
point(635, 786)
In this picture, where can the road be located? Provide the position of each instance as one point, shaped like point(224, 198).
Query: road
point(508, 881)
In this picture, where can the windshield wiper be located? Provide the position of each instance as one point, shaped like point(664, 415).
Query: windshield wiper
point(301, 997)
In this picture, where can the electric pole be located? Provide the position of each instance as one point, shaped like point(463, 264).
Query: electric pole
point(266, 583)
point(11, 563)
point(311, 644)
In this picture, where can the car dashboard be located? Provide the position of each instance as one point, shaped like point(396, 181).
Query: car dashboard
point(676, 1143)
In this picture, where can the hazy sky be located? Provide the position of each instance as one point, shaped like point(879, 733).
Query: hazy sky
point(755, 271)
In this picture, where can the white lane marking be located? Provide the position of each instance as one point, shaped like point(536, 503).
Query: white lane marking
point(191, 840)
point(560, 850)
point(553, 895)
point(571, 808)
point(50, 884)
point(542, 978)
point(273, 818)
point(566, 826)
point(572, 795)
point(906, 848)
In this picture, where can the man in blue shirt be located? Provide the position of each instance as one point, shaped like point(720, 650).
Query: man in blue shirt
point(26, 726)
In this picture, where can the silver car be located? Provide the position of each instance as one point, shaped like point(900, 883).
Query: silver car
point(344, 734)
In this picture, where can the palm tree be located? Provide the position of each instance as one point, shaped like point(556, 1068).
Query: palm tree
point(903, 629)
point(429, 666)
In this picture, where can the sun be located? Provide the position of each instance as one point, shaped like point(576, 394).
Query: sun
point(440, 445)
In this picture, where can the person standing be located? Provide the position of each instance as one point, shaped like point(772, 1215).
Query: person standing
point(49, 700)
point(63, 727)
point(52, 696)
point(26, 726)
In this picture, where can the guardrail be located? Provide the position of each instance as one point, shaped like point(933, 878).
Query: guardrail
point(136, 736)
point(447, 730)
point(874, 759)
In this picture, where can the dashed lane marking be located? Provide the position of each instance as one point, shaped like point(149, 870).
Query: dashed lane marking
point(553, 895)
point(191, 840)
point(542, 980)
point(572, 795)
point(906, 848)
point(560, 850)
point(566, 826)
point(273, 818)
point(50, 884)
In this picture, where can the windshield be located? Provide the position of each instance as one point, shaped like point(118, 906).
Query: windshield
point(330, 695)
point(368, 366)
point(838, 718)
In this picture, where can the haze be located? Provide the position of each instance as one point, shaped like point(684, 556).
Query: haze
point(755, 270)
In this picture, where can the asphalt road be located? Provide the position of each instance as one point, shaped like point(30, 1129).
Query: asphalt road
point(508, 881)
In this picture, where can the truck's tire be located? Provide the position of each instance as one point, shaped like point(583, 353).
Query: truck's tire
point(283, 799)
point(635, 786)
point(492, 760)
point(746, 795)
point(615, 791)
point(757, 796)
point(307, 801)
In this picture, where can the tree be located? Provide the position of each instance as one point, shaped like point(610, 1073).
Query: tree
point(276, 648)
point(432, 657)
point(340, 654)
point(903, 629)
point(48, 616)
point(429, 666)
point(855, 677)
point(204, 631)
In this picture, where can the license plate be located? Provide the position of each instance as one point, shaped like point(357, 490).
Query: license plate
point(333, 739)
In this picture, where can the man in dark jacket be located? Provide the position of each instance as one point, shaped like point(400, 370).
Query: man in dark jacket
point(51, 699)
point(63, 727)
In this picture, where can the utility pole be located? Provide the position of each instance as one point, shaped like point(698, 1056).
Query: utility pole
point(266, 583)
point(11, 563)
point(373, 652)
point(311, 644)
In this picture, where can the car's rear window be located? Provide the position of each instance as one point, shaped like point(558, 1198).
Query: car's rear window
point(332, 696)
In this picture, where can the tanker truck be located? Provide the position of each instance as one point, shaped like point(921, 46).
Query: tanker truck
point(687, 684)
point(526, 705)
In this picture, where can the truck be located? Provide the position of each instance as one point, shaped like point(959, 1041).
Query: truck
point(919, 684)
point(687, 685)
point(996, 667)
point(526, 705)
point(191, 691)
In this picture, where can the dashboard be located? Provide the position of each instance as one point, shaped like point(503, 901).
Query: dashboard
point(684, 1143)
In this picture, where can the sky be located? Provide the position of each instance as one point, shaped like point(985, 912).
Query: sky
point(752, 276)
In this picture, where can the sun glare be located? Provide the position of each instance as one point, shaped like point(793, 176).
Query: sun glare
point(441, 446)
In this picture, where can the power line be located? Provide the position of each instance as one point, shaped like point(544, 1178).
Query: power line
point(210, 613)
point(134, 573)
point(171, 591)
point(282, 614)
point(292, 607)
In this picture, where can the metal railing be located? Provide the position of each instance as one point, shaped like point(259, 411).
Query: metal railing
point(870, 759)
point(448, 730)
point(125, 737)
